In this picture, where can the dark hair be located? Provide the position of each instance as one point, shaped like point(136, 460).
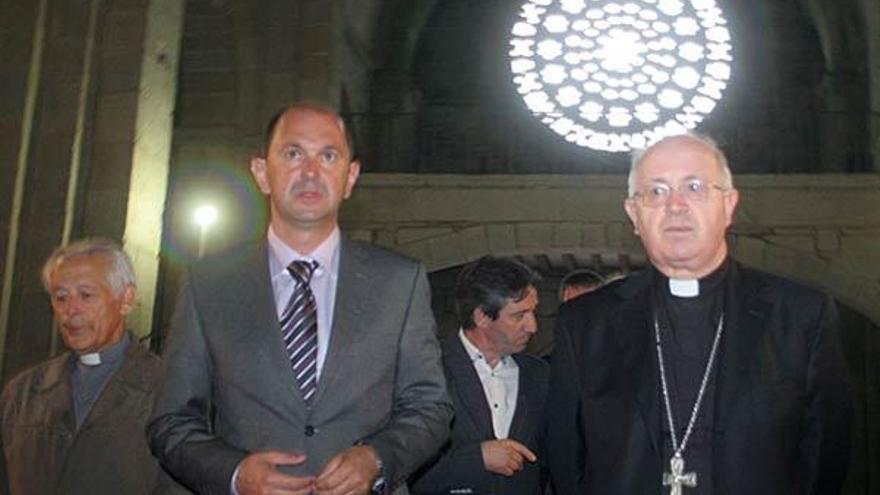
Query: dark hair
point(312, 107)
point(490, 283)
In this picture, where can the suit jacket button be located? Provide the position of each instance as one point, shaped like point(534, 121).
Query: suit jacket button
point(310, 430)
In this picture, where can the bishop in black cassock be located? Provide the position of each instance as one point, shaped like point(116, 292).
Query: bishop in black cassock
point(748, 365)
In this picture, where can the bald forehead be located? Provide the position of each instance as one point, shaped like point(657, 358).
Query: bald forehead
point(667, 150)
point(295, 113)
point(298, 113)
point(679, 143)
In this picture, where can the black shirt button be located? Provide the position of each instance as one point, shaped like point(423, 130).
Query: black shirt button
point(310, 430)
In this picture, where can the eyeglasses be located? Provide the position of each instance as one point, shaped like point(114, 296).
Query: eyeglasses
point(693, 190)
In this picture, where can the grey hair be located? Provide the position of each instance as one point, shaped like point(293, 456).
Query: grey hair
point(121, 274)
point(639, 155)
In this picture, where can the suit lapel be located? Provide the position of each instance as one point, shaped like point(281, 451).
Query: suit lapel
point(259, 333)
point(635, 338)
point(519, 426)
point(353, 288)
point(461, 371)
point(745, 314)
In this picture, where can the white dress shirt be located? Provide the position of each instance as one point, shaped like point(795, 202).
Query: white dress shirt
point(323, 283)
point(500, 384)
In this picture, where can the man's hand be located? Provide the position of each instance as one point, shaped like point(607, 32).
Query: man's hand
point(257, 475)
point(350, 472)
point(505, 457)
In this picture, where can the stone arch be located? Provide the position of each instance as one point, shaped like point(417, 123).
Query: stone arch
point(443, 248)
point(451, 248)
point(844, 283)
point(444, 251)
point(819, 230)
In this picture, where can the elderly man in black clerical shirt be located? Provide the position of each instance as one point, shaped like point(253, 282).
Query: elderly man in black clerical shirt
point(698, 375)
point(75, 424)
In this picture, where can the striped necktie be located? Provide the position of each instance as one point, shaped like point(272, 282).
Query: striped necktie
point(299, 328)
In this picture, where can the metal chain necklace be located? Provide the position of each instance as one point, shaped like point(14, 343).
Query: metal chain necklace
point(676, 478)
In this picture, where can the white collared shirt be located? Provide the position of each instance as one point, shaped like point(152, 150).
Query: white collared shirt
point(500, 384)
point(323, 283)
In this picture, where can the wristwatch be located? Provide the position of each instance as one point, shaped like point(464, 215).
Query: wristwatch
point(379, 484)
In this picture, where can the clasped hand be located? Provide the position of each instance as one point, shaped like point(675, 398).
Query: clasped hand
point(351, 472)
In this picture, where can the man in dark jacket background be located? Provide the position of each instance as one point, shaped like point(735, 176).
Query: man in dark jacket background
point(497, 390)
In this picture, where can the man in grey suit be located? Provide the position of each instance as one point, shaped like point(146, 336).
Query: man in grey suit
point(308, 362)
point(498, 390)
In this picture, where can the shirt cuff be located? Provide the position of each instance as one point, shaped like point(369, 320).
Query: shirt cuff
point(232, 489)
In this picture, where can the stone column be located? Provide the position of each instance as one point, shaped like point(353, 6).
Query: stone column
point(321, 50)
point(871, 11)
point(380, 94)
point(284, 51)
point(88, 109)
point(22, 57)
point(150, 149)
point(847, 124)
point(842, 122)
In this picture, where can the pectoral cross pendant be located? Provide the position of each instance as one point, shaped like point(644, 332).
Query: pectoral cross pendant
point(677, 478)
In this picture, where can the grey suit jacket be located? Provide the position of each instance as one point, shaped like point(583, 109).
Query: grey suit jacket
point(460, 469)
point(229, 390)
point(45, 454)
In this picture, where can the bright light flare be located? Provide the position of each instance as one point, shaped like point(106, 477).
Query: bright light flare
point(206, 216)
point(616, 75)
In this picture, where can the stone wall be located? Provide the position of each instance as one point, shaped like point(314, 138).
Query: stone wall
point(823, 230)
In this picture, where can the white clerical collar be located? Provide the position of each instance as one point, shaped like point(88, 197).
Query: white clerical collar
point(90, 359)
point(109, 354)
point(684, 287)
